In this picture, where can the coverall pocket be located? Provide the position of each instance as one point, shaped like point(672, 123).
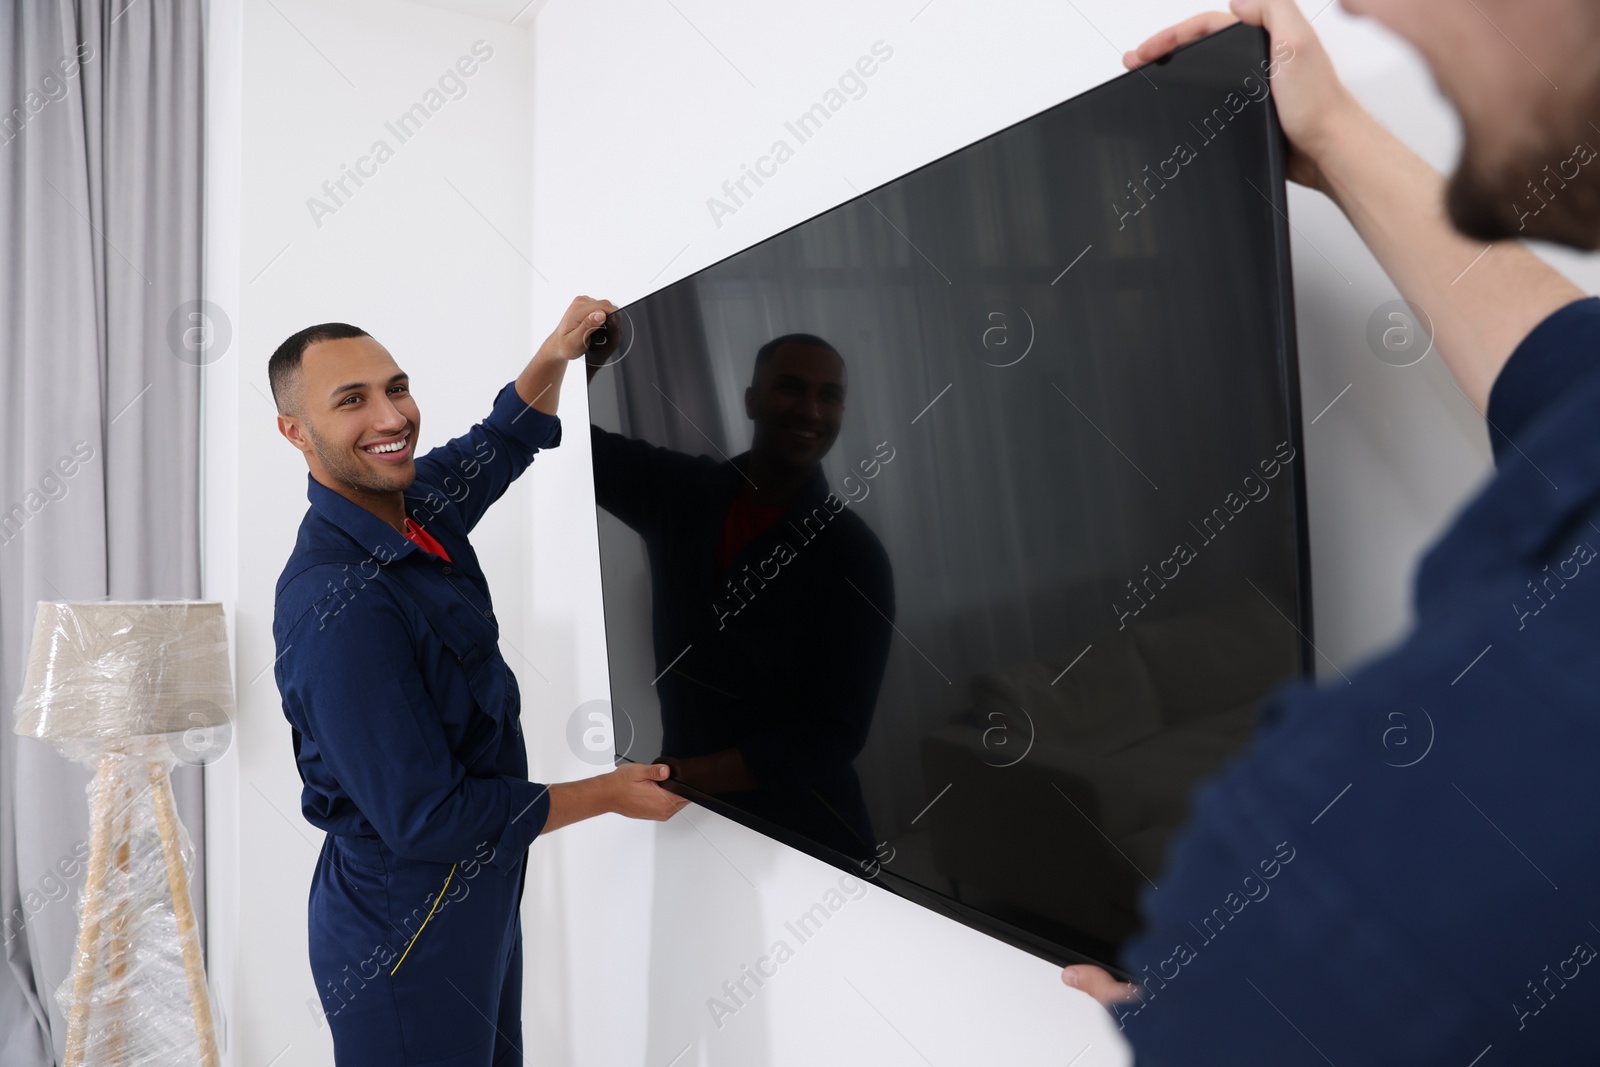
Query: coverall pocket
point(439, 899)
point(448, 977)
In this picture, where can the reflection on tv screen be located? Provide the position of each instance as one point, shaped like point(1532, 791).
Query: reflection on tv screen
point(955, 534)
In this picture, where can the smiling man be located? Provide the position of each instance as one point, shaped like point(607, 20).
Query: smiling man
point(406, 719)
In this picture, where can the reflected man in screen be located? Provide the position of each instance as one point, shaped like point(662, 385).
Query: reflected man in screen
point(772, 601)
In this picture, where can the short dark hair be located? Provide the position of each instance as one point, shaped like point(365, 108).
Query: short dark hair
point(764, 353)
point(285, 362)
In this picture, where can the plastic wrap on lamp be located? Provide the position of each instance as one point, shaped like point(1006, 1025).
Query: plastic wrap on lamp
point(102, 674)
point(132, 994)
point(118, 684)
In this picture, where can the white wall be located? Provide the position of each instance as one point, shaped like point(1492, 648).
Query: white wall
point(590, 145)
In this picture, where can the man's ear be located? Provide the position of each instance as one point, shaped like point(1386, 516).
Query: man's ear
point(289, 426)
point(750, 402)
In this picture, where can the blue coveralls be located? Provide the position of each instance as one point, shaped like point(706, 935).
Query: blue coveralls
point(408, 738)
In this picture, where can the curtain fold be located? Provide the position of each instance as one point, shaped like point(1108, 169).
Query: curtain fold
point(679, 412)
point(100, 363)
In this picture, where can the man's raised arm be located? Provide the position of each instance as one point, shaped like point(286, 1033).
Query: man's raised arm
point(539, 384)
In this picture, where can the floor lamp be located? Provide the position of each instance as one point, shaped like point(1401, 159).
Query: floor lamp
point(129, 688)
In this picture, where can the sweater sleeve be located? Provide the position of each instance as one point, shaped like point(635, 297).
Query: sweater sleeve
point(1557, 352)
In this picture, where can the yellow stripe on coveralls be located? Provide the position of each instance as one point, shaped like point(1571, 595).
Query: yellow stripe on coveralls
point(424, 925)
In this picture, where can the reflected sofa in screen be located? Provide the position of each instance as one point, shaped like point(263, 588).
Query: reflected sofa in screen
point(1072, 830)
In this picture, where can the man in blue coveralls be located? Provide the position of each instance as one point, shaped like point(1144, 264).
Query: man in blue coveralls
point(1404, 868)
point(406, 719)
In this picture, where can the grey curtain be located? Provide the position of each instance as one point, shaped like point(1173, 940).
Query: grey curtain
point(100, 273)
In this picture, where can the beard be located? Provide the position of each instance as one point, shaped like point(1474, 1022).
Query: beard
point(349, 470)
point(1548, 191)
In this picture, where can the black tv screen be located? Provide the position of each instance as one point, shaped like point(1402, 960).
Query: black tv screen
point(955, 535)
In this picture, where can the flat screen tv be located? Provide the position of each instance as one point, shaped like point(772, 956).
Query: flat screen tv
point(954, 535)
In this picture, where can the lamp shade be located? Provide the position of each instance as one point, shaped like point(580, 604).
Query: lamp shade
point(122, 669)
